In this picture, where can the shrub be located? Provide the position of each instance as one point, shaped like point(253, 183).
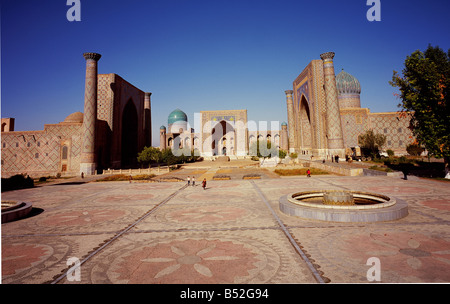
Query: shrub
point(143, 176)
point(115, 178)
point(17, 182)
point(414, 149)
point(371, 143)
point(384, 169)
point(252, 176)
point(291, 172)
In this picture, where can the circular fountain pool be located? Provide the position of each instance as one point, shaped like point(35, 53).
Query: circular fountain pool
point(343, 206)
point(12, 210)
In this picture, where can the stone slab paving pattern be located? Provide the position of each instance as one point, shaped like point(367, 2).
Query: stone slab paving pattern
point(169, 233)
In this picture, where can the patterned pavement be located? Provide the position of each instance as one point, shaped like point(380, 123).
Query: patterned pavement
point(166, 232)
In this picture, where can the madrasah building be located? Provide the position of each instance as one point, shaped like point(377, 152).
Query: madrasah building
point(324, 114)
point(323, 110)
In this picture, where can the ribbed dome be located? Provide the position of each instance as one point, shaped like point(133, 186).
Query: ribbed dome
point(284, 123)
point(177, 115)
point(74, 117)
point(162, 128)
point(347, 84)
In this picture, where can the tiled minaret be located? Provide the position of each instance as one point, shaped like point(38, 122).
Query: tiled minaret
point(88, 164)
point(148, 119)
point(162, 138)
point(334, 128)
point(284, 137)
point(290, 110)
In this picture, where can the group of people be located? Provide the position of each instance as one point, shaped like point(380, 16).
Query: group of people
point(193, 182)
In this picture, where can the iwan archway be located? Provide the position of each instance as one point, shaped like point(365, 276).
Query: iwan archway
point(223, 139)
point(306, 133)
point(129, 145)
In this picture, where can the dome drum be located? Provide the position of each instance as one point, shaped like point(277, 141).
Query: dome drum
point(349, 90)
point(76, 117)
point(177, 121)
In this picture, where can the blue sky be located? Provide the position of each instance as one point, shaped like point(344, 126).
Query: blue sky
point(204, 55)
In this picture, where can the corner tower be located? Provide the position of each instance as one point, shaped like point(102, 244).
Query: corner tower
point(162, 138)
point(148, 119)
point(88, 164)
point(335, 139)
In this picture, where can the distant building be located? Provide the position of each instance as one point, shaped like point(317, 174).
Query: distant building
point(222, 133)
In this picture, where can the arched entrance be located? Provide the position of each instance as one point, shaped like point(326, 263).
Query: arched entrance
point(306, 134)
point(129, 135)
point(223, 139)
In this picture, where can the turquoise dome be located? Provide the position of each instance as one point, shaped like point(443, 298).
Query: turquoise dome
point(347, 84)
point(177, 115)
point(162, 128)
point(284, 123)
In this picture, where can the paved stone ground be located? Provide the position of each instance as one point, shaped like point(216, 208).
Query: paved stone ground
point(168, 233)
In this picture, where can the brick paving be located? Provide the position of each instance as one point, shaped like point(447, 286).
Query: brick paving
point(166, 232)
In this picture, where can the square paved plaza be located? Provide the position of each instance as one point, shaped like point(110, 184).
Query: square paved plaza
point(232, 232)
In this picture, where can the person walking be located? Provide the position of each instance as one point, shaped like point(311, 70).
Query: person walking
point(308, 173)
point(193, 181)
point(189, 180)
point(204, 184)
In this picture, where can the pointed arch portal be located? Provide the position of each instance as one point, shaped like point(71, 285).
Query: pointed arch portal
point(129, 135)
point(306, 136)
point(221, 144)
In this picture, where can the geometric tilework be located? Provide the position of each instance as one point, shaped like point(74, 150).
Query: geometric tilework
point(334, 129)
point(90, 112)
point(38, 153)
point(354, 122)
point(358, 121)
point(335, 121)
point(395, 128)
point(105, 98)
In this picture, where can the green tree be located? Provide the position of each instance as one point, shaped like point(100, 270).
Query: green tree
point(263, 148)
point(424, 92)
point(168, 157)
point(371, 142)
point(149, 155)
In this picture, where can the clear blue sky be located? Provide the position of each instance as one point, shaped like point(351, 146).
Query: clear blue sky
point(204, 55)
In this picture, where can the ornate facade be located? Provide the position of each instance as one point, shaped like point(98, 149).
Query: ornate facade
point(219, 133)
point(325, 115)
point(116, 124)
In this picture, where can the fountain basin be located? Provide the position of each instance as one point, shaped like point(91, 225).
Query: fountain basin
point(12, 211)
point(361, 207)
point(338, 198)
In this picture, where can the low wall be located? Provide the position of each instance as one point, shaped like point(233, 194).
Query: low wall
point(341, 170)
point(370, 172)
point(156, 171)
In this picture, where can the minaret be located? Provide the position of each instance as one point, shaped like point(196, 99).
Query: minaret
point(88, 162)
point(284, 144)
point(162, 138)
point(334, 128)
point(290, 110)
point(148, 119)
